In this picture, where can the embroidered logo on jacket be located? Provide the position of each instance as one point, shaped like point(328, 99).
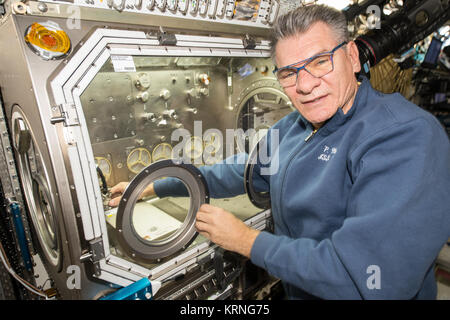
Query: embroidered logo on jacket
point(327, 153)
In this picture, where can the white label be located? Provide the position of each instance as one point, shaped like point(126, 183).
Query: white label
point(123, 63)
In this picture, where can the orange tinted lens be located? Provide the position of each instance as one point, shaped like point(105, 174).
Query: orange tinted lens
point(287, 76)
point(320, 65)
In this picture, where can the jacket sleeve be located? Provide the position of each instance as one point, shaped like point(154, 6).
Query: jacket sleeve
point(398, 219)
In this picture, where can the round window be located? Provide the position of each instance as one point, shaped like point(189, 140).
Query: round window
point(151, 227)
point(36, 188)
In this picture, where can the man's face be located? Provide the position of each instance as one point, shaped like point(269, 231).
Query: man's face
point(318, 99)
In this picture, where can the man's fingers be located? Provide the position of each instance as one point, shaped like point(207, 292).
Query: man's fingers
point(119, 188)
point(207, 208)
point(205, 234)
point(204, 217)
point(114, 202)
point(203, 229)
point(201, 226)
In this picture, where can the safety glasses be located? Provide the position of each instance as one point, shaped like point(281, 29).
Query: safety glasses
point(317, 65)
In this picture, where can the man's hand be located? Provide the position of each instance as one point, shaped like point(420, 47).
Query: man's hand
point(225, 230)
point(118, 190)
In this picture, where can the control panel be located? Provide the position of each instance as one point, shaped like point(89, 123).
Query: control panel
point(260, 13)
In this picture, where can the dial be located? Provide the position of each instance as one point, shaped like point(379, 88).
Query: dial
point(138, 159)
point(183, 5)
point(202, 7)
point(172, 5)
point(162, 151)
point(194, 148)
point(212, 148)
point(194, 6)
point(213, 142)
point(212, 7)
point(161, 4)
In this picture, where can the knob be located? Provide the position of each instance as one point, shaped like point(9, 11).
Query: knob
point(171, 113)
point(142, 83)
point(264, 69)
point(193, 110)
point(204, 78)
point(143, 96)
point(162, 123)
point(150, 117)
point(203, 91)
point(165, 94)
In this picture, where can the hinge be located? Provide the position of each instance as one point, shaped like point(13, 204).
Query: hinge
point(66, 113)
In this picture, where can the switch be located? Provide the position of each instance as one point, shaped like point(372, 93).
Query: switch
point(150, 117)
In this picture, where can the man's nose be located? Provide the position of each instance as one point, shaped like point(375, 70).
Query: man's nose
point(306, 82)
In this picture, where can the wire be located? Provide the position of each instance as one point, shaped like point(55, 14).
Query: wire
point(102, 177)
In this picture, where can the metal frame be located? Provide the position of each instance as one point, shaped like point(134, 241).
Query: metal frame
point(260, 200)
point(149, 251)
point(68, 84)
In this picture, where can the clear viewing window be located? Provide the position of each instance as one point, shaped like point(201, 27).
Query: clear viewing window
point(136, 106)
point(36, 189)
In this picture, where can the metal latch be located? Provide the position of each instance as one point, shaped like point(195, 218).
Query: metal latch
point(96, 254)
point(248, 42)
point(220, 257)
point(67, 114)
point(167, 39)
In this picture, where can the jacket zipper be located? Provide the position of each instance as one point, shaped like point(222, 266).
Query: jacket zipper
point(287, 168)
point(311, 135)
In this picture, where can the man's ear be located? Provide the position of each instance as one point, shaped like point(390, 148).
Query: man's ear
point(353, 53)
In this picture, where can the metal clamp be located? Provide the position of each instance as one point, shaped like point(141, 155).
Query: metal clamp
point(220, 257)
point(67, 115)
point(167, 39)
point(249, 42)
point(96, 254)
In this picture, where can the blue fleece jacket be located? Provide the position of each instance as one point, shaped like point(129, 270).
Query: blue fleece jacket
point(361, 209)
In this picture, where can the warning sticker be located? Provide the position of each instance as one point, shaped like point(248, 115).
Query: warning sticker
point(123, 63)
